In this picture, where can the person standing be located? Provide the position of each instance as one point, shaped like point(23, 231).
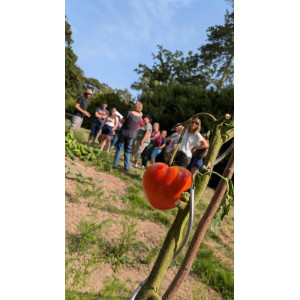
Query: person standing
point(198, 158)
point(127, 134)
point(117, 131)
point(155, 140)
point(172, 143)
point(100, 115)
point(158, 148)
point(109, 127)
point(142, 139)
point(192, 140)
point(80, 110)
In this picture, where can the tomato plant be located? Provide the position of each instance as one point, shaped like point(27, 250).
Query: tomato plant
point(163, 184)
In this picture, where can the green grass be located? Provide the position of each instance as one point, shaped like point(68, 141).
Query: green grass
point(213, 272)
point(115, 289)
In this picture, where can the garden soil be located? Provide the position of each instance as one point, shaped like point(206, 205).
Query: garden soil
point(149, 233)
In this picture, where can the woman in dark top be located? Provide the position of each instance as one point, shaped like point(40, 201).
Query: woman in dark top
point(127, 134)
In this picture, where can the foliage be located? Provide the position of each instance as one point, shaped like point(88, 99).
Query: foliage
point(217, 55)
point(224, 207)
point(84, 152)
point(169, 105)
point(169, 69)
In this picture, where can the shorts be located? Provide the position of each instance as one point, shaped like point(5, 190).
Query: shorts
point(197, 163)
point(155, 152)
point(76, 122)
point(95, 128)
point(182, 160)
point(107, 130)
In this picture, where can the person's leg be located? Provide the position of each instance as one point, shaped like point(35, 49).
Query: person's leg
point(114, 140)
point(135, 152)
point(154, 153)
point(94, 129)
point(127, 152)
point(119, 148)
point(103, 142)
point(108, 140)
point(76, 123)
point(98, 133)
point(146, 155)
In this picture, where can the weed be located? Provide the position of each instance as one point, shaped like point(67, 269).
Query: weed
point(79, 271)
point(88, 236)
point(115, 289)
point(74, 295)
point(121, 248)
point(213, 272)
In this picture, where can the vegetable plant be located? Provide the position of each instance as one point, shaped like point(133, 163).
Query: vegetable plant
point(221, 132)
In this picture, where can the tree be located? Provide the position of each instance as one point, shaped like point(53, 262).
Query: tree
point(217, 56)
point(170, 69)
point(74, 77)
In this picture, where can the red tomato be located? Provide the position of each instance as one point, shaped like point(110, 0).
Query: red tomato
point(163, 184)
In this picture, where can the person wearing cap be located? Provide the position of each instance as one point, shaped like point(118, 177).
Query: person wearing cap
point(100, 116)
point(142, 139)
point(80, 110)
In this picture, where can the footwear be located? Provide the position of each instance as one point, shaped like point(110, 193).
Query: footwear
point(135, 166)
point(143, 167)
point(114, 167)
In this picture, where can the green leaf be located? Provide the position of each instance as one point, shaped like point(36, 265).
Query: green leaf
point(224, 207)
point(99, 180)
point(70, 153)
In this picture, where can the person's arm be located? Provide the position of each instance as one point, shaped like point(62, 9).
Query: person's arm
point(77, 106)
point(116, 124)
point(205, 153)
point(145, 136)
point(171, 138)
point(162, 146)
point(101, 114)
point(204, 145)
point(156, 136)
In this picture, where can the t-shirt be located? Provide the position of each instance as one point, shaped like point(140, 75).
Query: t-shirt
point(110, 121)
point(189, 141)
point(129, 127)
point(83, 101)
point(141, 132)
point(100, 110)
point(171, 145)
point(163, 141)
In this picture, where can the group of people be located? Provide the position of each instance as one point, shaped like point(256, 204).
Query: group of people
point(139, 138)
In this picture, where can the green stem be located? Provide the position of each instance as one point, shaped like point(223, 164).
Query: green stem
point(174, 235)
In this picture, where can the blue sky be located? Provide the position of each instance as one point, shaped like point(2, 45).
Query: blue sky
point(112, 37)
